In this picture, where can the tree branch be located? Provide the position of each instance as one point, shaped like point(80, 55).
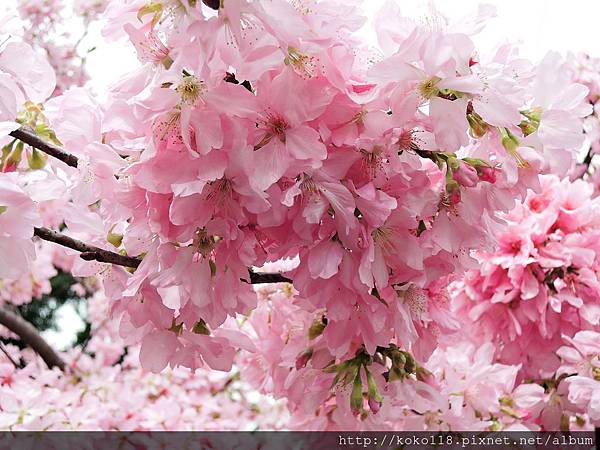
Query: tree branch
point(263, 277)
point(92, 253)
point(28, 136)
point(88, 252)
point(30, 336)
point(10, 358)
point(587, 161)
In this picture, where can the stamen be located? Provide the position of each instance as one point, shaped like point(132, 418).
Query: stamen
point(428, 88)
point(190, 89)
point(372, 161)
point(303, 65)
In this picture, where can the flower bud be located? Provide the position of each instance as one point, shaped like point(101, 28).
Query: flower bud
point(12, 162)
point(511, 143)
point(374, 397)
point(36, 159)
point(487, 174)
point(453, 191)
point(528, 127)
point(465, 175)
point(317, 328)
point(356, 398)
point(302, 360)
point(477, 125)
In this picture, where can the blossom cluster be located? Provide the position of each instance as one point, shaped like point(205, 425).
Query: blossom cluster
point(285, 136)
point(541, 284)
point(463, 385)
point(267, 130)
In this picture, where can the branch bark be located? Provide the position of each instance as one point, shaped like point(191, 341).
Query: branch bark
point(28, 136)
point(264, 277)
point(30, 336)
point(88, 252)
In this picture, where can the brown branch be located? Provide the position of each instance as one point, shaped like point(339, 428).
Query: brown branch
point(30, 336)
point(92, 253)
point(10, 358)
point(587, 161)
point(29, 137)
point(264, 277)
point(88, 252)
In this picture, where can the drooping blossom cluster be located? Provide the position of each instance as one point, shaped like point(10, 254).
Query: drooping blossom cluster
point(282, 138)
point(463, 385)
point(256, 131)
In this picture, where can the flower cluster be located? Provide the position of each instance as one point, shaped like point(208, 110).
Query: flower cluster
point(541, 283)
point(580, 388)
point(265, 130)
point(262, 132)
point(463, 385)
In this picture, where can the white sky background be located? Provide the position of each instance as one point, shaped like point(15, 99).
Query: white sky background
point(538, 25)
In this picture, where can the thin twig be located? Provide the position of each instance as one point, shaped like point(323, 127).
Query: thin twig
point(30, 336)
point(10, 358)
point(28, 136)
point(587, 161)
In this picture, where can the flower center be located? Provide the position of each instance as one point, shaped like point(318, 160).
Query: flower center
point(428, 88)
point(190, 89)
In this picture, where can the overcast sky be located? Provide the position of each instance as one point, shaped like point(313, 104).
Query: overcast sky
point(540, 26)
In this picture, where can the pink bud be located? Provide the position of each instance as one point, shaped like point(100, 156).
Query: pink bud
point(487, 174)
point(466, 175)
point(10, 167)
point(455, 197)
point(374, 405)
point(303, 359)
